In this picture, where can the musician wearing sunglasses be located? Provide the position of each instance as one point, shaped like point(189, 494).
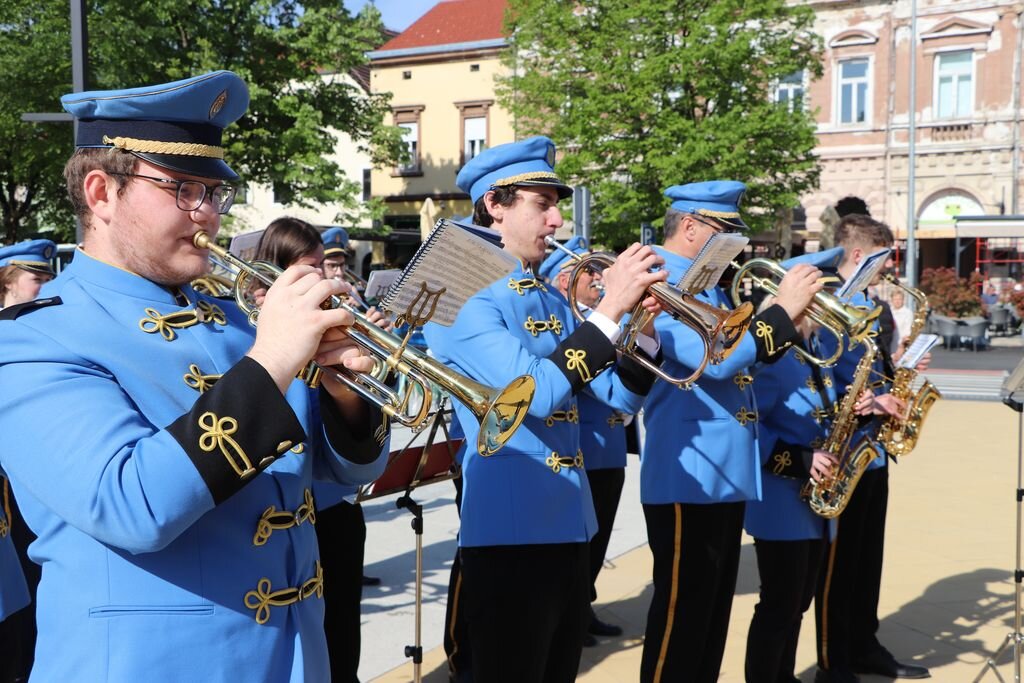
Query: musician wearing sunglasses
point(527, 514)
point(161, 449)
point(602, 429)
point(700, 461)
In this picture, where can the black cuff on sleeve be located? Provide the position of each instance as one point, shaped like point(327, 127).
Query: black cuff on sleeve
point(636, 377)
point(789, 460)
point(773, 333)
point(359, 444)
point(583, 355)
point(237, 428)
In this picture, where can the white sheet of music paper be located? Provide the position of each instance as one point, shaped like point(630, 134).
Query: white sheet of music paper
point(866, 271)
point(716, 255)
point(922, 345)
point(379, 282)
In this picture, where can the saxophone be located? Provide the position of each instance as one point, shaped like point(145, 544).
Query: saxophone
point(899, 435)
point(829, 497)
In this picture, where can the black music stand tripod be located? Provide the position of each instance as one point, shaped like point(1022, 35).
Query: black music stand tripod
point(1013, 384)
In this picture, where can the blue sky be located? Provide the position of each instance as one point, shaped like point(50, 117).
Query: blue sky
point(397, 14)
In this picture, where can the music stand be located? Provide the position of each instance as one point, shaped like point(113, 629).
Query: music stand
point(1014, 384)
point(409, 468)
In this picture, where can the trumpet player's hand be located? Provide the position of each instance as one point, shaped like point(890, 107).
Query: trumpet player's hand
point(797, 289)
point(822, 465)
point(292, 323)
point(626, 281)
point(380, 319)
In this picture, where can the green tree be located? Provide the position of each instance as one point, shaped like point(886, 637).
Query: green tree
point(645, 94)
point(282, 49)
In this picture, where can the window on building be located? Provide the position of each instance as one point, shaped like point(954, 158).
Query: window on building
point(790, 90)
point(473, 125)
point(408, 119)
point(853, 90)
point(954, 84)
point(366, 185)
point(474, 131)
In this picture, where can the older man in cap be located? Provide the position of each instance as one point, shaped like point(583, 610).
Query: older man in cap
point(173, 504)
point(602, 428)
point(527, 514)
point(24, 268)
point(700, 462)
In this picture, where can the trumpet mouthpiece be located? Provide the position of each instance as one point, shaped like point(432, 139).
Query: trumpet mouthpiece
point(201, 240)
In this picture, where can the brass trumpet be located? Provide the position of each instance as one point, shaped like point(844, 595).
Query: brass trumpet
point(719, 330)
point(825, 309)
point(499, 411)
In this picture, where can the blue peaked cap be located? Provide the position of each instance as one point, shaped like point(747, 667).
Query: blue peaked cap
point(828, 260)
point(527, 162)
point(174, 125)
point(335, 241)
point(717, 199)
point(32, 255)
point(558, 259)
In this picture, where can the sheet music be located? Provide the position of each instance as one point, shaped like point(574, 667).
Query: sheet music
point(716, 255)
point(454, 258)
point(379, 282)
point(1014, 381)
point(244, 246)
point(922, 345)
point(866, 271)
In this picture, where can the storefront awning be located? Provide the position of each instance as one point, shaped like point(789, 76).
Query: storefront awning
point(989, 226)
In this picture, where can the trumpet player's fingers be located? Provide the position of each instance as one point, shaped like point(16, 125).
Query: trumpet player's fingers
point(346, 353)
point(626, 281)
point(797, 289)
point(379, 318)
point(865, 403)
point(887, 404)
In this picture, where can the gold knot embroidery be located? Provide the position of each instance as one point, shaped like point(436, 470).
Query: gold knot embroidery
point(782, 461)
point(217, 434)
point(616, 419)
point(273, 519)
point(575, 361)
point(534, 327)
point(819, 415)
point(556, 462)
point(572, 415)
point(826, 380)
point(743, 380)
point(195, 379)
point(745, 416)
point(520, 286)
point(817, 442)
point(204, 312)
point(262, 599)
point(809, 383)
point(765, 331)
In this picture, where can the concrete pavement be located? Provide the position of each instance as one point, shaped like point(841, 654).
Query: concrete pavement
point(947, 596)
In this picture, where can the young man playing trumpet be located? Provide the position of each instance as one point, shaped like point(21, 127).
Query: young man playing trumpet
point(526, 510)
point(172, 501)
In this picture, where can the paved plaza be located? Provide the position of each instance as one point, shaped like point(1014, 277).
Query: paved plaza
point(947, 597)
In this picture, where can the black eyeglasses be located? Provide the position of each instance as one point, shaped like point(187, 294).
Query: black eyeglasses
point(191, 193)
point(717, 226)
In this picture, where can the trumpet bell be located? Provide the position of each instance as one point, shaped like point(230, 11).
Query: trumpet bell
point(500, 418)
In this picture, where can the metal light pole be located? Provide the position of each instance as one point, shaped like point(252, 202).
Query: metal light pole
point(911, 160)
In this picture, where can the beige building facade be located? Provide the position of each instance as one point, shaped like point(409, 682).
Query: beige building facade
point(968, 115)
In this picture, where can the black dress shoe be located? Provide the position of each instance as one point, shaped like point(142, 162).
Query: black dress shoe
point(371, 580)
point(589, 640)
point(882, 662)
point(835, 676)
point(603, 628)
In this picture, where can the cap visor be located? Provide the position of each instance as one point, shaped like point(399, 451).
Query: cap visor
point(203, 167)
point(564, 191)
point(42, 270)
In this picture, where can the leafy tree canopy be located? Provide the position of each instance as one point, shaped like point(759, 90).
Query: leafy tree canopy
point(280, 48)
point(644, 94)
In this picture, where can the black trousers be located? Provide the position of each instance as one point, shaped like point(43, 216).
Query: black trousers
point(524, 608)
point(846, 604)
point(789, 577)
point(341, 532)
point(456, 639)
point(18, 631)
point(606, 490)
point(696, 552)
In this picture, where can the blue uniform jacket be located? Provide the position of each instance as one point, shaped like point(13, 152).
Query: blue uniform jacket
point(793, 417)
point(701, 443)
point(169, 484)
point(533, 490)
point(13, 589)
point(843, 372)
point(602, 435)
